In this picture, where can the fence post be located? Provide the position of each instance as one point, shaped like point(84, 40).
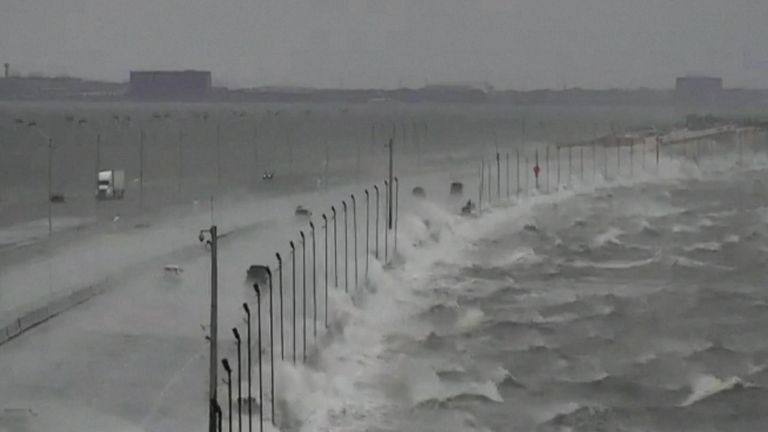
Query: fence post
point(335, 251)
point(570, 165)
point(271, 345)
point(508, 192)
point(594, 162)
point(386, 224)
point(325, 263)
point(376, 188)
point(498, 177)
point(314, 280)
point(346, 248)
point(293, 297)
point(397, 211)
point(354, 234)
point(658, 144)
point(517, 152)
point(482, 178)
point(367, 228)
point(303, 295)
point(490, 178)
point(282, 318)
point(248, 343)
point(546, 168)
point(258, 344)
point(238, 345)
point(527, 176)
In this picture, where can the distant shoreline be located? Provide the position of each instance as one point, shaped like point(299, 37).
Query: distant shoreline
point(42, 89)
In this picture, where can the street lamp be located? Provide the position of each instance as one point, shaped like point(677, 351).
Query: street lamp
point(49, 140)
point(239, 381)
point(248, 347)
point(228, 369)
point(213, 243)
point(84, 122)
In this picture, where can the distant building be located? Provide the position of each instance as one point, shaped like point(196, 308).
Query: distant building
point(169, 84)
point(698, 91)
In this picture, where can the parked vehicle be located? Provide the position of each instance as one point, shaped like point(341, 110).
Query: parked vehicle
point(302, 212)
point(111, 185)
point(457, 189)
point(257, 274)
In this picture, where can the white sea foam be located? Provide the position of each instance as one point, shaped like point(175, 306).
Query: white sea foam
point(705, 386)
point(703, 247)
point(611, 236)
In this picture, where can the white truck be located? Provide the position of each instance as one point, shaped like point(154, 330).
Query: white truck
point(111, 184)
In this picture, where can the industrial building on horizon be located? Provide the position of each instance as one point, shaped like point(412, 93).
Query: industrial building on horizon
point(157, 84)
point(699, 91)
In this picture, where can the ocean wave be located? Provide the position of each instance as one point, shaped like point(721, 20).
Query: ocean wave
point(611, 236)
point(469, 319)
point(703, 247)
point(520, 256)
point(648, 229)
point(681, 261)
point(610, 265)
point(426, 391)
point(706, 386)
point(679, 228)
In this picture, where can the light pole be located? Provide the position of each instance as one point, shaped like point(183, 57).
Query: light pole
point(50, 174)
point(248, 342)
point(314, 280)
point(304, 294)
point(354, 233)
point(228, 369)
point(325, 263)
point(376, 188)
point(261, 379)
point(335, 251)
point(239, 381)
point(293, 283)
point(346, 248)
point(213, 244)
point(367, 227)
point(282, 321)
point(83, 122)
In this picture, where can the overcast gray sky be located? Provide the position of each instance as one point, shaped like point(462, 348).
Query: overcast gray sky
point(521, 44)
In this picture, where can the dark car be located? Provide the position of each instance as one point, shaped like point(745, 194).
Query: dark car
point(302, 212)
point(457, 188)
point(257, 274)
